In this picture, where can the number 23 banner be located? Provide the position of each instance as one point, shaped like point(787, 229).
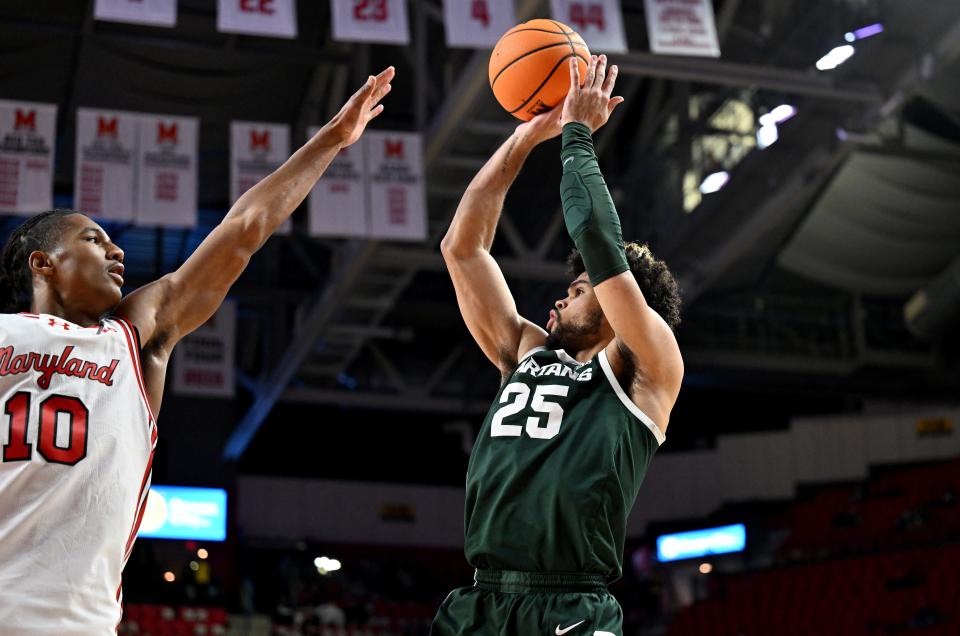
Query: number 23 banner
point(477, 23)
point(370, 21)
point(599, 23)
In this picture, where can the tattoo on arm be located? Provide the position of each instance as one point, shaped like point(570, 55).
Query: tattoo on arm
point(506, 157)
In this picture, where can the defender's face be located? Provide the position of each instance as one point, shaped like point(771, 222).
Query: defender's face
point(88, 267)
point(576, 321)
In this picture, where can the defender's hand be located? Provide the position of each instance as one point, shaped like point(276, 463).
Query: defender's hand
point(542, 127)
point(347, 125)
point(591, 103)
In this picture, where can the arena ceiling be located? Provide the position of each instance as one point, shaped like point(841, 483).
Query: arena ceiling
point(795, 274)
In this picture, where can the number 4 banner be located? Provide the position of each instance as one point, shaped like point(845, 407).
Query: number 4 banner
point(370, 21)
point(599, 23)
point(477, 23)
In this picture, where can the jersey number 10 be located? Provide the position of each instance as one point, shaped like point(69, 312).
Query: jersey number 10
point(535, 426)
point(17, 449)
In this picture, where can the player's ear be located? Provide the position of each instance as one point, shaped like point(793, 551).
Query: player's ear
point(40, 263)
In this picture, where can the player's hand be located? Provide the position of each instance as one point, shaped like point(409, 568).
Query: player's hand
point(541, 127)
point(590, 103)
point(347, 125)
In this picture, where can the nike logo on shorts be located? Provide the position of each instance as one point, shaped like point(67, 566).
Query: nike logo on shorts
point(561, 632)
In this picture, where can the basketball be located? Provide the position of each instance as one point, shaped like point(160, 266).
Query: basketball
point(528, 67)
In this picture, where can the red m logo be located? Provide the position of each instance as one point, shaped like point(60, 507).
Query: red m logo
point(260, 139)
point(26, 120)
point(107, 127)
point(166, 133)
point(394, 148)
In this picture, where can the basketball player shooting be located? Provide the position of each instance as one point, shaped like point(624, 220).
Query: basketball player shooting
point(584, 404)
point(81, 382)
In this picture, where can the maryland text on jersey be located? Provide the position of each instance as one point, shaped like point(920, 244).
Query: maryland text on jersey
point(47, 365)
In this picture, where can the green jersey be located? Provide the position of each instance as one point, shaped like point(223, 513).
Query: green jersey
point(556, 468)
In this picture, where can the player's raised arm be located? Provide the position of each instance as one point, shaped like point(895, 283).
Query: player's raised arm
point(168, 309)
point(485, 301)
point(594, 226)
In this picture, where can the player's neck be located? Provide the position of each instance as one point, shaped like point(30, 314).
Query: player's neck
point(44, 304)
point(586, 355)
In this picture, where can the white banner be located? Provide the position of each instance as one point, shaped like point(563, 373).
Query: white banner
point(273, 18)
point(167, 183)
point(26, 156)
point(599, 23)
point(105, 171)
point(477, 23)
point(204, 360)
point(397, 201)
point(256, 150)
point(338, 203)
point(682, 27)
point(155, 12)
point(370, 21)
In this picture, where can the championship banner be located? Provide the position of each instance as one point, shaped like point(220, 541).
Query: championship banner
point(370, 21)
point(106, 164)
point(338, 203)
point(682, 27)
point(599, 23)
point(204, 360)
point(167, 166)
point(477, 23)
point(155, 12)
point(26, 156)
point(272, 18)
point(397, 201)
point(256, 150)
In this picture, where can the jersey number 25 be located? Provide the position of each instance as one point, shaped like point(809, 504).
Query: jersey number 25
point(535, 427)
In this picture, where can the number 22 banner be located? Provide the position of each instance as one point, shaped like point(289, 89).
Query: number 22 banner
point(370, 21)
point(599, 23)
point(477, 23)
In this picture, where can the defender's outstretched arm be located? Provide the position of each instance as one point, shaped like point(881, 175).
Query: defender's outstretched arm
point(485, 300)
point(170, 308)
point(592, 221)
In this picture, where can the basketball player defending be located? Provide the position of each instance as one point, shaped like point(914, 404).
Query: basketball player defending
point(81, 380)
point(583, 405)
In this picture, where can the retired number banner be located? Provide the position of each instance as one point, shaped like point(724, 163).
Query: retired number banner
point(599, 23)
point(26, 156)
point(477, 23)
point(106, 164)
point(256, 150)
point(395, 171)
point(370, 21)
point(167, 166)
point(204, 360)
point(272, 18)
point(682, 27)
point(155, 12)
point(338, 203)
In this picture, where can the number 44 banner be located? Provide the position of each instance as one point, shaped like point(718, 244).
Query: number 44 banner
point(599, 23)
point(477, 23)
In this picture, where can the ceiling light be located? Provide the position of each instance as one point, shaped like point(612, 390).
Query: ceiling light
point(767, 136)
point(868, 31)
point(713, 182)
point(835, 57)
point(778, 115)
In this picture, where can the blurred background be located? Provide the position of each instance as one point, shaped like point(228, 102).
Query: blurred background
point(803, 187)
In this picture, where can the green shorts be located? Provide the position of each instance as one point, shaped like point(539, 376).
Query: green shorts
point(505, 603)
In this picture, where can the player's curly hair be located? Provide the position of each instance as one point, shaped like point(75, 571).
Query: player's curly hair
point(658, 285)
point(40, 232)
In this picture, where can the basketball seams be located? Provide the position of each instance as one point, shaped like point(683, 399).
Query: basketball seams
point(512, 31)
point(537, 50)
point(544, 82)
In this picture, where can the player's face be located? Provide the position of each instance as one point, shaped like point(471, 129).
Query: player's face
point(576, 322)
point(87, 267)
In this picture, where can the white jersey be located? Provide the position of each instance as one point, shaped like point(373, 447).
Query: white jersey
point(76, 448)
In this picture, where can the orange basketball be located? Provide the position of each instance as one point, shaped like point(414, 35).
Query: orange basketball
point(528, 67)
